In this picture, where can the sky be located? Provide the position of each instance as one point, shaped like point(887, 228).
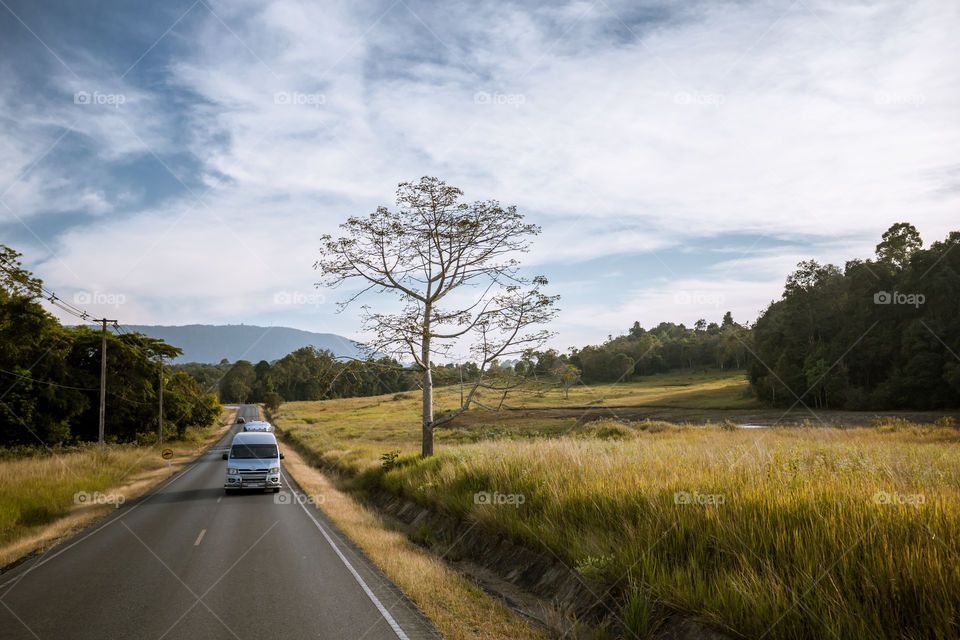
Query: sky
point(178, 162)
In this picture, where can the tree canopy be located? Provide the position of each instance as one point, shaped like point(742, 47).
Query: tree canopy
point(878, 334)
point(429, 247)
point(51, 375)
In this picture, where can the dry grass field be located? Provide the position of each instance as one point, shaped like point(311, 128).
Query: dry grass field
point(792, 532)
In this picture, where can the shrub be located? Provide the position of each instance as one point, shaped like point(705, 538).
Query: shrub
point(888, 424)
point(388, 460)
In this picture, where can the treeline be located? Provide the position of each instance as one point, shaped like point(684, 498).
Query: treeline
point(306, 374)
point(878, 334)
point(51, 376)
point(639, 352)
point(317, 374)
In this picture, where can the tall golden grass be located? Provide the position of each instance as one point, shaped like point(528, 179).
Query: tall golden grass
point(40, 486)
point(785, 533)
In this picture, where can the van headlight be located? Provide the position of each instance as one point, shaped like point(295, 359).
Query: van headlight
point(274, 469)
point(232, 471)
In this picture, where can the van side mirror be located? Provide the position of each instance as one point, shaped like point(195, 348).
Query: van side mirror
point(224, 456)
point(281, 455)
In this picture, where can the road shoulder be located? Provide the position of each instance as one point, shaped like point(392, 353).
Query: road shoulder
point(84, 516)
point(458, 608)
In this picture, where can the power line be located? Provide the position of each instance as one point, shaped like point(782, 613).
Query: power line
point(132, 340)
point(49, 295)
point(52, 384)
point(32, 285)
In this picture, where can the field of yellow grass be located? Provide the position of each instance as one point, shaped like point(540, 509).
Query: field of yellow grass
point(352, 427)
point(700, 390)
point(791, 533)
point(795, 532)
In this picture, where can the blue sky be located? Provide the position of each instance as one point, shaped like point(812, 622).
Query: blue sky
point(177, 162)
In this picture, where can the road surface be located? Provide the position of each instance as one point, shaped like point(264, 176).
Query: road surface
point(188, 561)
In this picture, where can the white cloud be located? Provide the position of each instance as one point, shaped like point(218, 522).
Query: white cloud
point(820, 121)
point(681, 301)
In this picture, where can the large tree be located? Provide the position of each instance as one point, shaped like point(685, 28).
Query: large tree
point(429, 247)
point(898, 243)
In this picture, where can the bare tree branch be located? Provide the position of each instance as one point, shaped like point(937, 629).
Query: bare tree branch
point(431, 246)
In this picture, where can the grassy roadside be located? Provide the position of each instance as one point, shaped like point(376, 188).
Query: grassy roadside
point(779, 533)
point(50, 496)
point(730, 527)
point(459, 610)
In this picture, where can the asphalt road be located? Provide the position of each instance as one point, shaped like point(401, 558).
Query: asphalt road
point(188, 561)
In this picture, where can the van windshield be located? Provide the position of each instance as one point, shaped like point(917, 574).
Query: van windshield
point(248, 451)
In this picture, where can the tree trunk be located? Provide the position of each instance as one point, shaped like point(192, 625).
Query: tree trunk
point(427, 449)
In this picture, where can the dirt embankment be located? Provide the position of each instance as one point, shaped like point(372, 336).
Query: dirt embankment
point(536, 585)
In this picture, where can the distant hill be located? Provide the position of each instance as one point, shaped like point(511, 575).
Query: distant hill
point(213, 343)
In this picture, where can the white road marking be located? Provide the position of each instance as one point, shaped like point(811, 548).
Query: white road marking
point(363, 585)
point(44, 559)
point(200, 538)
point(219, 499)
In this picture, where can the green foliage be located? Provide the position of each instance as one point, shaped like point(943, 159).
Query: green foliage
point(52, 375)
point(309, 374)
point(899, 242)
point(421, 535)
point(388, 460)
point(856, 339)
point(641, 619)
point(666, 347)
point(187, 406)
point(595, 568)
point(272, 401)
point(605, 429)
point(237, 384)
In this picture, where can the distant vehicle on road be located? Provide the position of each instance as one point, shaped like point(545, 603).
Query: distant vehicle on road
point(240, 421)
point(258, 425)
point(253, 462)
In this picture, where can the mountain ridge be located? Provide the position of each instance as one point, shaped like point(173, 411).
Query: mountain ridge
point(211, 343)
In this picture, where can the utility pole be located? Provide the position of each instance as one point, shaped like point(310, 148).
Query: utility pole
point(160, 426)
point(103, 377)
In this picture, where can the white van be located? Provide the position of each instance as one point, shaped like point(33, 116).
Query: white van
point(253, 462)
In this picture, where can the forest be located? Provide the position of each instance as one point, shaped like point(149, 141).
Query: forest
point(882, 333)
point(50, 376)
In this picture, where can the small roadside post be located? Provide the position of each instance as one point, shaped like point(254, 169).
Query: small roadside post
point(168, 455)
